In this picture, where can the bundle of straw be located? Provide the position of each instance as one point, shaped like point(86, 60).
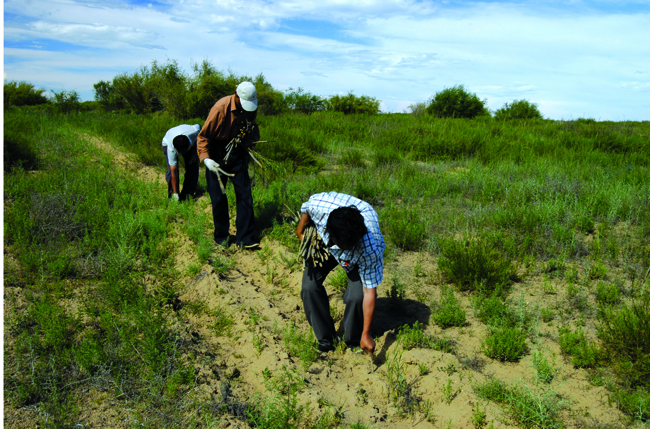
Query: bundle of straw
point(312, 246)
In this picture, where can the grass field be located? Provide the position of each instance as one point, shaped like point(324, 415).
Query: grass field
point(515, 291)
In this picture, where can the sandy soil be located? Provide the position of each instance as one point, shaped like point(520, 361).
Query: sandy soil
point(346, 379)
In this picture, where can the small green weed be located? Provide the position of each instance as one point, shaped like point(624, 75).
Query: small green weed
point(528, 408)
point(479, 417)
point(583, 353)
point(303, 346)
point(547, 314)
point(223, 322)
point(397, 289)
point(412, 337)
point(607, 294)
point(338, 279)
point(505, 343)
point(544, 370)
point(400, 391)
point(598, 271)
point(448, 393)
point(404, 226)
point(448, 312)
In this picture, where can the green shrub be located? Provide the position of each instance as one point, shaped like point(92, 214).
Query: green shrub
point(607, 294)
point(303, 101)
point(505, 343)
point(583, 353)
point(475, 265)
point(528, 408)
point(633, 403)
point(544, 370)
point(412, 337)
point(353, 158)
point(456, 102)
point(404, 227)
point(448, 312)
point(625, 337)
point(66, 101)
point(353, 104)
point(23, 94)
point(518, 109)
point(493, 310)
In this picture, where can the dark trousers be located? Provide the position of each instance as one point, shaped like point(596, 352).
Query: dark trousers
point(245, 221)
point(317, 305)
point(191, 174)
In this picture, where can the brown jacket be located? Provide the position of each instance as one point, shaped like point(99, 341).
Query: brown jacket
point(223, 124)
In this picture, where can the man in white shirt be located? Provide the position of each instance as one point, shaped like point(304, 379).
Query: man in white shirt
point(181, 140)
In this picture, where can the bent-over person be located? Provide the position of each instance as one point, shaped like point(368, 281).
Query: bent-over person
point(349, 228)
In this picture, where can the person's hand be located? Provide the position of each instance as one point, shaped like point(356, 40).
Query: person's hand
point(214, 167)
point(175, 197)
point(367, 344)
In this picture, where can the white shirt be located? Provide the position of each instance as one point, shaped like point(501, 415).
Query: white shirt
point(190, 131)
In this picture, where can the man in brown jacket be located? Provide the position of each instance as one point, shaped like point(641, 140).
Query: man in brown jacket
point(226, 119)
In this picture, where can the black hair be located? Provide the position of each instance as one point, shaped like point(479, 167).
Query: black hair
point(346, 226)
point(181, 143)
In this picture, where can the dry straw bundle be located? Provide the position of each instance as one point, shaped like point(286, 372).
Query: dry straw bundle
point(312, 246)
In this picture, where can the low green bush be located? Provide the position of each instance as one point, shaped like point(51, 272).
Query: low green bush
point(448, 312)
point(518, 109)
point(607, 294)
point(527, 407)
point(411, 337)
point(476, 265)
point(624, 333)
point(505, 343)
point(634, 403)
point(583, 353)
point(403, 227)
point(351, 103)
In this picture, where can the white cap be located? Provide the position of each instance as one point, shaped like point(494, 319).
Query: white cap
point(248, 96)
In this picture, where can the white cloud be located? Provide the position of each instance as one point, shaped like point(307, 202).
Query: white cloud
point(575, 61)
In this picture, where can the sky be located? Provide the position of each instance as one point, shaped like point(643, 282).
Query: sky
point(574, 59)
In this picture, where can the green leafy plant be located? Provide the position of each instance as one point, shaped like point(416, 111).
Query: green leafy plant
point(405, 228)
point(545, 371)
point(448, 312)
point(351, 103)
point(607, 294)
point(303, 346)
point(505, 343)
point(518, 109)
point(456, 102)
point(624, 334)
point(412, 337)
point(583, 353)
point(476, 265)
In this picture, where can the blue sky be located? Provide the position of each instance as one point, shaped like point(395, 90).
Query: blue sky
point(573, 58)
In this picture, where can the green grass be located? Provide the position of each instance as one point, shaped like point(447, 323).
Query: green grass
point(491, 201)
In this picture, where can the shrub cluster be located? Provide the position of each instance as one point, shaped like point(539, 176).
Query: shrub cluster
point(23, 94)
point(457, 102)
point(518, 109)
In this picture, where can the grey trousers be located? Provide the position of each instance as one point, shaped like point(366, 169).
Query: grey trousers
point(317, 305)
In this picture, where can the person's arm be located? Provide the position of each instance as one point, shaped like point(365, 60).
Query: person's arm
point(175, 180)
point(369, 297)
point(304, 219)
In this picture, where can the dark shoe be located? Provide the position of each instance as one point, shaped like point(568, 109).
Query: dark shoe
point(325, 347)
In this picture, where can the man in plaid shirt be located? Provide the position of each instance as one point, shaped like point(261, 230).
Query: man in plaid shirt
point(349, 228)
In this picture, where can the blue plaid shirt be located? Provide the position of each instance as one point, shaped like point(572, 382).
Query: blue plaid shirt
point(368, 255)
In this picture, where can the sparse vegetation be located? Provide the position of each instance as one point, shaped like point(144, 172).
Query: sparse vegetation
point(117, 300)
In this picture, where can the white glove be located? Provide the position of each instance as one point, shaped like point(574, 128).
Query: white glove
point(215, 167)
point(175, 197)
